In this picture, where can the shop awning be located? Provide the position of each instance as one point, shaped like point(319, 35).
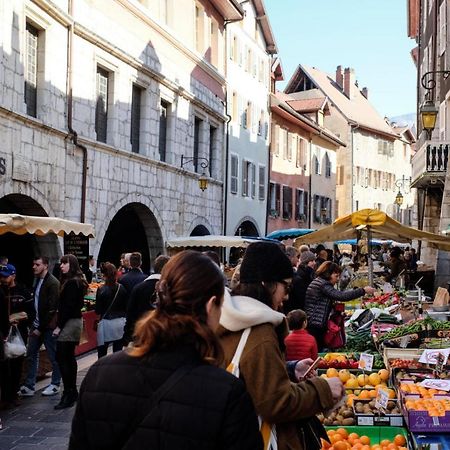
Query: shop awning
point(381, 226)
point(18, 224)
point(288, 233)
point(211, 240)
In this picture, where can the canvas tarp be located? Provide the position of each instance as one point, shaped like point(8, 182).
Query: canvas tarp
point(381, 226)
point(210, 241)
point(40, 226)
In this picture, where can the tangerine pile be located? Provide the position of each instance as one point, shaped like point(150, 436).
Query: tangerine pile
point(413, 388)
point(435, 408)
point(352, 381)
point(340, 439)
point(368, 394)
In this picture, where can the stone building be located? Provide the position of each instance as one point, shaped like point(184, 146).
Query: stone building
point(100, 103)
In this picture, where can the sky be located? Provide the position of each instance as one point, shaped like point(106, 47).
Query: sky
point(368, 35)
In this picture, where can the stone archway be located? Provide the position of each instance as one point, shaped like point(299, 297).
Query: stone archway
point(133, 228)
point(200, 230)
point(247, 228)
point(21, 249)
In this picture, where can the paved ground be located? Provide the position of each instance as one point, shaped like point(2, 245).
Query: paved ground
point(34, 424)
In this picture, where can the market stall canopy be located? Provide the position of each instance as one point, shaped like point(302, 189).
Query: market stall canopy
point(211, 240)
point(289, 233)
point(18, 224)
point(381, 226)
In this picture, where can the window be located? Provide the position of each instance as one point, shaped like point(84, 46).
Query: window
point(301, 204)
point(327, 166)
point(289, 146)
point(262, 183)
point(248, 67)
point(275, 140)
point(287, 202)
point(199, 28)
point(234, 174)
point(197, 129)
point(135, 118)
point(214, 43)
point(163, 117)
point(261, 71)
point(245, 178)
point(31, 70)
point(260, 122)
point(244, 116)
point(300, 160)
point(212, 146)
point(316, 165)
point(235, 107)
point(248, 116)
point(163, 10)
point(233, 48)
point(253, 179)
point(284, 135)
point(274, 200)
point(101, 109)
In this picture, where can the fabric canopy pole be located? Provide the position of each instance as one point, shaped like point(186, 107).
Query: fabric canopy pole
point(369, 255)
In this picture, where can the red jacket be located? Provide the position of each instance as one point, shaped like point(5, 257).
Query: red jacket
point(300, 345)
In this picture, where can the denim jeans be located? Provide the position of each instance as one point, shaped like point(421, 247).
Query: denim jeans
point(33, 346)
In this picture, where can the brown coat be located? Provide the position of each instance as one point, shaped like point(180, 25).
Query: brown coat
point(276, 398)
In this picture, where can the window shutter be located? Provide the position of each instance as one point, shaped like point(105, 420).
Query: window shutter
point(234, 174)
point(262, 182)
point(253, 170)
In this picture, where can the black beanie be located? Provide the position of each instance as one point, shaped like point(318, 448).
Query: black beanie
point(265, 261)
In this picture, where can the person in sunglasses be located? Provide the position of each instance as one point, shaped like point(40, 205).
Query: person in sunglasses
point(253, 310)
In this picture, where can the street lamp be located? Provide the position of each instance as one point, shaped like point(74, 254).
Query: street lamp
point(428, 110)
point(204, 164)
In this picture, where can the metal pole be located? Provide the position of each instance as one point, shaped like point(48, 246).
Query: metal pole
point(369, 251)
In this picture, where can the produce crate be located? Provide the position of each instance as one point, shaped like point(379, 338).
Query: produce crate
point(421, 421)
point(400, 353)
point(379, 419)
point(377, 433)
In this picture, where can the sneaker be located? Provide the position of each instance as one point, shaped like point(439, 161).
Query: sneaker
point(25, 391)
point(51, 389)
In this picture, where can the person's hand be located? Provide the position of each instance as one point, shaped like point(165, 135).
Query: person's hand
point(35, 332)
point(337, 388)
point(302, 366)
point(369, 290)
point(13, 322)
point(56, 332)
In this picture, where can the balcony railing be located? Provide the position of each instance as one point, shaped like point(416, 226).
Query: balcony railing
point(429, 164)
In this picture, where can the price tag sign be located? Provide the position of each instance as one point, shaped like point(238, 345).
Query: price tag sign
point(440, 362)
point(441, 385)
point(365, 362)
point(432, 356)
point(382, 399)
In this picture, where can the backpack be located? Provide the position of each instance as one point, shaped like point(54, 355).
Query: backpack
point(335, 335)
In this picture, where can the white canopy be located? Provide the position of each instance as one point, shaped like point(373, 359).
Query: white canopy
point(18, 224)
point(210, 240)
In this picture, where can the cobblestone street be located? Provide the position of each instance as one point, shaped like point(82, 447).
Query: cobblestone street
point(34, 424)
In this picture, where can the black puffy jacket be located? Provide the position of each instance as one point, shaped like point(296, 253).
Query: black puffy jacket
point(320, 298)
point(208, 409)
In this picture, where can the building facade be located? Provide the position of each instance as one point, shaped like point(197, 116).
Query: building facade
point(373, 159)
point(250, 47)
point(100, 103)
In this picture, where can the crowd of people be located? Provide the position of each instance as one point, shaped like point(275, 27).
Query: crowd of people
point(183, 328)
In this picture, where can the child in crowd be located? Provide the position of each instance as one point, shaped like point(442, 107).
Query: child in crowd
point(299, 343)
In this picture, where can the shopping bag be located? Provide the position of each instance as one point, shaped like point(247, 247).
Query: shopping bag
point(14, 345)
point(335, 334)
point(110, 330)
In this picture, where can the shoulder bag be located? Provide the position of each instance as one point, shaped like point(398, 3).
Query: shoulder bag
point(267, 430)
point(110, 330)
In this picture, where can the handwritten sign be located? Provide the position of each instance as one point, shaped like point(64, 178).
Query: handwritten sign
point(382, 399)
point(431, 383)
point(365, 361)
point(432, 356)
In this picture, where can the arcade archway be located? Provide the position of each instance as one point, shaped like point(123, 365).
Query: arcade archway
point(133, 228)
point(200, 230)
point(21, 249)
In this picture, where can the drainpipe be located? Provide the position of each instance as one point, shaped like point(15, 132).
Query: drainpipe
point(310, 206)
point(73, 135)
point(353, 127)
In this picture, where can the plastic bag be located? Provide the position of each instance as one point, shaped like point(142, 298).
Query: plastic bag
point(14, 345)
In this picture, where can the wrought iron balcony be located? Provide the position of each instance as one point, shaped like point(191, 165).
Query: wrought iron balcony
point(429, 164)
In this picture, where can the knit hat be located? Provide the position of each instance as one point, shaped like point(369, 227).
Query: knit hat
point(307, 257)
point(265, 261)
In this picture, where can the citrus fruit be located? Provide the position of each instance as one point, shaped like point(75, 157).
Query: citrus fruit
point(400, 440)
point(344, 375)
point(384, 374)
point(365, 440)
point(363, 379)
point(343, 432)
point(351, 383)
point(332, 372)
point(374, 379)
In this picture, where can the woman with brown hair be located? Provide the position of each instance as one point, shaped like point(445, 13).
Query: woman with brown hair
point(69, 325)
point(110, 304)
point(167, 391)
point(321, 296)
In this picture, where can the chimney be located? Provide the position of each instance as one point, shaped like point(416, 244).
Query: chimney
point(365, 92)
point(349, 82)
point(339, 77)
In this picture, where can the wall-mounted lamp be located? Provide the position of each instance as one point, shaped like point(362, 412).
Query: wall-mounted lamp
point(204, 164)
point(428, 110)
point(399, 199)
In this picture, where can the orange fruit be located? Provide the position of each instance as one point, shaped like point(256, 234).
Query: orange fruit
point(365, 440)
point(365, 395)
point(353, 436)
point(332, 372)
point(374, 379)
point(400, 440)
point(363, 379)
point(385, 442)
point(343, 432)
point(391, 393)
point(335, 438)
point(341, 446)
point(352, 383)
point(344, 375)
point(384, 374)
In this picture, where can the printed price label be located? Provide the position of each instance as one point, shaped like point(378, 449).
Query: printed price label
point(441, 385)
point(382, 399)
point(365, 361)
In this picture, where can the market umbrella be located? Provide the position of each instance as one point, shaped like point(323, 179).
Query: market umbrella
point(289, 233)
point(40, 226)
point(377, 224)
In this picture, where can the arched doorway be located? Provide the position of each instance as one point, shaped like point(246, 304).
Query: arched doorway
point(21, 249)
point(247, 228)
point(200, 230)
point(133, 228)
